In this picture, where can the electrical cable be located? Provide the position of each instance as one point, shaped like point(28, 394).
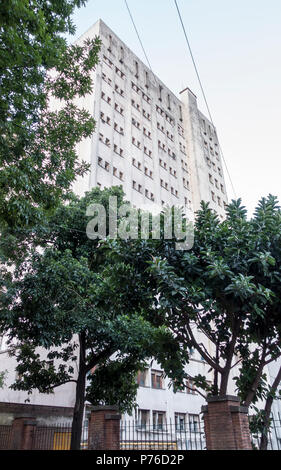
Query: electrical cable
point(202, 90)
point(137, 34)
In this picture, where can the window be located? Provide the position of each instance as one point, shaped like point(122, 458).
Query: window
point(137, 69)
point(121, 55)
point(142, 418)
point(146, 79)
point(146, 115)
point(180, 113)
point(119, 72)
point(190, 387)
point(142, 378)
point(185, 183)
point(146, 98)
point(107, 61)
point(105, 98)
point(109, 43)
point(136, 143)
point(147, 152)
point(119, 90)
point(180, 421)
point(135, 123)
point(194, 423)
point(157, 379)
point(160, 93)
point(169, 101)
point(158, 420)
point(119, 109)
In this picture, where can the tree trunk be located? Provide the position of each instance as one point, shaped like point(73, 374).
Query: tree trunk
point(267, 411)
point(76, 430)
point(255, 384)
point(230, 353)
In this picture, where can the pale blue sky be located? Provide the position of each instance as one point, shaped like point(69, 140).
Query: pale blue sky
point(237, 47)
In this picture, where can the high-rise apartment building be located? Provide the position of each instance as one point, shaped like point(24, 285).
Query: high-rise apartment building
point(160, 148)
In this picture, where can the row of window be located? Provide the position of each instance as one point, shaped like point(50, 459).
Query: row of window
point(106, 166)
point(183, 422)
point(108, 100)
point(172, 171)
point(216, 183)
point(110, 64)
point(140, 92)
point(157, 381)
point(138, 187)
point(218, 200)
point(138, 165)
point(167, 133)
point(187, 203)
point(166, 149)
point(165, 115)
point(165, 185)
point(107, 120)
point(214, 167)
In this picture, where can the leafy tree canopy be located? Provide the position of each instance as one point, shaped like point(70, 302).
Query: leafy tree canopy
point(227, 285)
point(73, 308)
point(38, 160)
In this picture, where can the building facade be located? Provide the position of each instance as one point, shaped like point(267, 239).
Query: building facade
point(160, 148)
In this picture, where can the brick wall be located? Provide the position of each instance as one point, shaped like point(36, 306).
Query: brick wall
point(226, 424)
point(104, 428)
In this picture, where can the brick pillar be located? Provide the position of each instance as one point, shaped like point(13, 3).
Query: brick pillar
point(226, 424)
point(22, 433)
point(104, 428)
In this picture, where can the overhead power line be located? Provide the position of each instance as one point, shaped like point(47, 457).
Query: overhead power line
point(138, 34)
point(202, 90)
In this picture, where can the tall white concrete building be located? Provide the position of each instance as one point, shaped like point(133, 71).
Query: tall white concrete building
point(162, 150)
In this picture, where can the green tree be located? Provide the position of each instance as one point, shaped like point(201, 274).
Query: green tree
point(86, 311)
point(38, 160)
point(227, 285)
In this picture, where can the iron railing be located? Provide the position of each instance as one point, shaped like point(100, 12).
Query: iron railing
point(5, 436)
point(57, 437)
point(164, 436)
point(273, 435)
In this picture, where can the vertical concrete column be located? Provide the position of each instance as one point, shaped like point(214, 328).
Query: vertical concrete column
point(22, 433)
point(104, 428)
point(226, 424)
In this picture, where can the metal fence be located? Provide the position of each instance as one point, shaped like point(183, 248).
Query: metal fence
point(167, 436)
point(273, 435)
point(5, 436)
point(57, 437)
point(137, 436)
